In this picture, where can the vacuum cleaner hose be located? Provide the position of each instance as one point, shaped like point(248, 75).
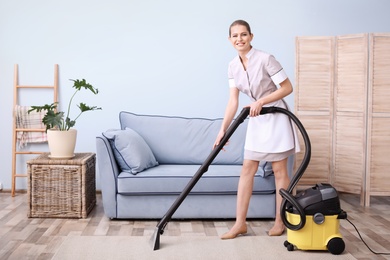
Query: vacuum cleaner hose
point(302, 216)
point(286, 194)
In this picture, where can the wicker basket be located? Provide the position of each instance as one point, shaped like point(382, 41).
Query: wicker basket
point(59, 188)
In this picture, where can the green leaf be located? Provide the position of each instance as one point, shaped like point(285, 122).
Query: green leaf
point(78, 84)
point(46, 107)
point(53, 119)
point(84, 108)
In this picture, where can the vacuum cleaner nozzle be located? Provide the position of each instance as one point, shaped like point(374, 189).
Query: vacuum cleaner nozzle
point(155, 239)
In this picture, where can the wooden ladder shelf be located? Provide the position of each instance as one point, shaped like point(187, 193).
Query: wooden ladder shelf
point(15, 151)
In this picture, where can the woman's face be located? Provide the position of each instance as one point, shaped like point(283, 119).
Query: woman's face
point(240, 38)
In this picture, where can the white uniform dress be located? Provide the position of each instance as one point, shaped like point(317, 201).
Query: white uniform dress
point(270, 137)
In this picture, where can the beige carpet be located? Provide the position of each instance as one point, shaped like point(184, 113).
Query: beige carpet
point(184, 247)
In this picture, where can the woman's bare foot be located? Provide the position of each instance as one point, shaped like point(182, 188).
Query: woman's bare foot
point(236, 230)
point(277, 230)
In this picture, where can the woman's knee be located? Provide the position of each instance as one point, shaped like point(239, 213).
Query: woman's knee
point(249, 167)
point(280, 168)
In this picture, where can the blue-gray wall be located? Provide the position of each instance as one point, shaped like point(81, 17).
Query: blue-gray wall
point(152, 57)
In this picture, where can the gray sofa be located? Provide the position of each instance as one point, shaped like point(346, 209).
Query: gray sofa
point(145, 165)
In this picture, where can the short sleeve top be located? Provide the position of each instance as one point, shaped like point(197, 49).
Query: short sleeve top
point(263, 73)
point(269, 133)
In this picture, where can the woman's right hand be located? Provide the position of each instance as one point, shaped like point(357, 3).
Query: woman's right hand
point(218, 140)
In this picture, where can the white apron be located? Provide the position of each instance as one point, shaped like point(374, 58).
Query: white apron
point(272, 133)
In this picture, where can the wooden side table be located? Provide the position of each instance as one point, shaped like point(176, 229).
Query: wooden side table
point(61, 188)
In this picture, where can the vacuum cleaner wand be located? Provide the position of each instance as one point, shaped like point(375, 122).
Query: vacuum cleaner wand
point(159, 230)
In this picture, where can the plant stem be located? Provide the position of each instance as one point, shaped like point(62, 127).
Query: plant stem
point(67, 114)
point(78, 116)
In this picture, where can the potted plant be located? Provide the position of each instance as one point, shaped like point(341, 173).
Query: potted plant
point(61, 136)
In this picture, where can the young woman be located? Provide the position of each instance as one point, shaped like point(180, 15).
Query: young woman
point(269, 137)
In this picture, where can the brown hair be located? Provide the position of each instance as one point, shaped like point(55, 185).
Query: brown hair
point(240, 22)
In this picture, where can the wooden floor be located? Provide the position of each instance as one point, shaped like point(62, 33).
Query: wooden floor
point(37, 238)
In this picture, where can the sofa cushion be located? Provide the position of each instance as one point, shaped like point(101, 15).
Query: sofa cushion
point(172, 179)
point(180, 140)
point(131, 151)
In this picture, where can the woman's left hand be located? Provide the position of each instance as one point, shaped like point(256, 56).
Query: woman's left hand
point(255, 108)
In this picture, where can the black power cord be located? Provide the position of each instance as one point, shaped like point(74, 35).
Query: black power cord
point(365, 241)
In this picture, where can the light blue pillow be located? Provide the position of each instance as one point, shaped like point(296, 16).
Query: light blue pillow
point(131, 151)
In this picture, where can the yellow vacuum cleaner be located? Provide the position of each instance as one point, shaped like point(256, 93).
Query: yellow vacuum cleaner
point(312, 219)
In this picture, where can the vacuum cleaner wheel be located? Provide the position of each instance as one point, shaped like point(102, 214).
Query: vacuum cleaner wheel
point(336, 245)
point(289, 246)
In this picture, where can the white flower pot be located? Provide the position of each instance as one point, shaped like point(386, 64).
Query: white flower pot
point(61, 143)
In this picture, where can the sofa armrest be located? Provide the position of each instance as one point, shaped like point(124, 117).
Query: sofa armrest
point(108, 172)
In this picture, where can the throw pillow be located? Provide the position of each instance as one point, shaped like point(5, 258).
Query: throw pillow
point(131, 151)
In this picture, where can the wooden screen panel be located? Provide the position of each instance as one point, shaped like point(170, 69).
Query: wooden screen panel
point(314, 73)
point(379, 158)
point(350, 104)
point(378, 126)
point(349, 161)
point(380, 71)
point(351, 73)
point(314, 80)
